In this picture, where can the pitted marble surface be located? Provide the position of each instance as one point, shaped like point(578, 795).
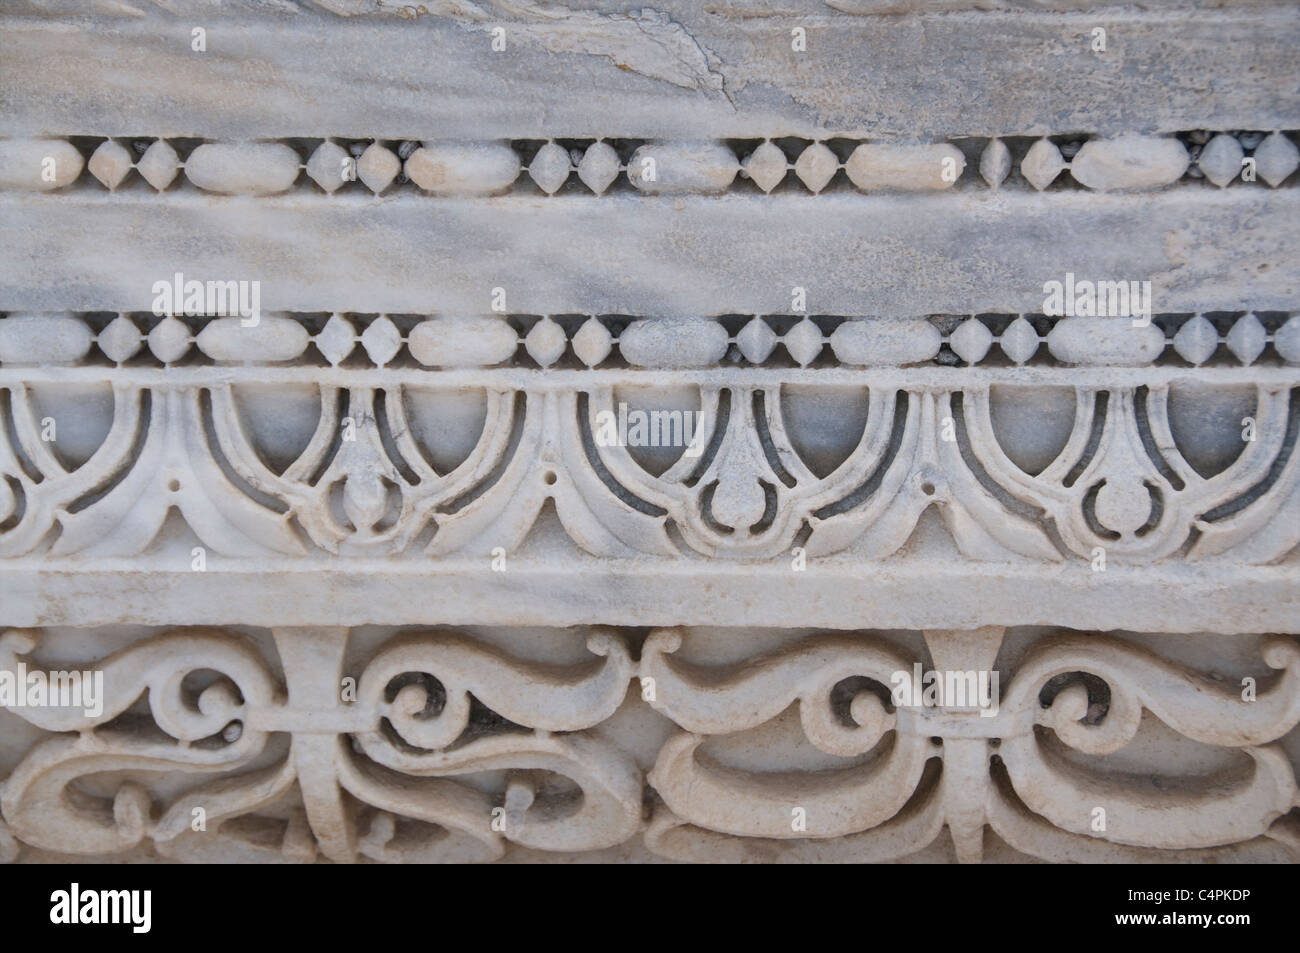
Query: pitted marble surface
point(825, 432)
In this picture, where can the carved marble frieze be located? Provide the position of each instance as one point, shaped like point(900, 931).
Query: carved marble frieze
point(435, 745)
point(834, 430)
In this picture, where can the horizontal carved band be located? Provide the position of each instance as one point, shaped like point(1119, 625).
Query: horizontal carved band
point(433, 746)
point(620, 341)
point(738, 469)
point(1130, 162)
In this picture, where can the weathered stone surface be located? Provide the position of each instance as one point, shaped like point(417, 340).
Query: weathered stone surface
point(630, 406)
point(893, 253)
point(1009, 72)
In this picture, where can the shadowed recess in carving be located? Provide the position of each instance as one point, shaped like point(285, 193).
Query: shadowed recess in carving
point(82, 415)
point(279, 420)
point(7, 410)
point(445, 425)
point(1089, 507)
point(1032, 424)
point(1142, 417)
point(214, 448)
point(592, 453)
point(864, 492)
point(1100, 405)
point(824, 424)
point(1009, 500)
point(336, 438)
point(502, 464)
point(667, 411)
point(1207, 422)
point(763, 426)
point(144, 421)
point(721, 422)
point(1274, 471)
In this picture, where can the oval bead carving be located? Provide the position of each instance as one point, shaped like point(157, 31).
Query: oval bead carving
point(463, 168)
point(876, 166)
point(673, 342)
point(1110, 342)
point(271, 339)
point(43, 339)
point(462, 342)
point(244, 168)
point(1130, 162)
point(683, 167)
point(886, 341)
point(38, 164)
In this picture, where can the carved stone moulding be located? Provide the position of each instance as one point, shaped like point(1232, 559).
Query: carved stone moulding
point(382, 745)
point(648, 442)
point(324, 165)
point(724, 466)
